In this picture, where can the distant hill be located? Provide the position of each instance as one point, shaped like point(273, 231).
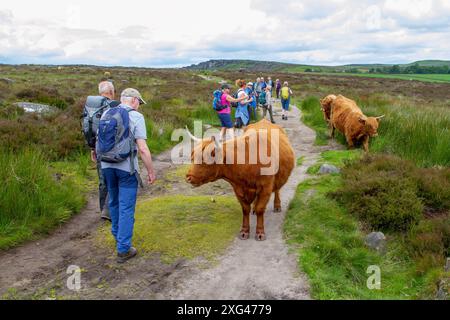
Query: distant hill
point(249, 65)
point(253, 65)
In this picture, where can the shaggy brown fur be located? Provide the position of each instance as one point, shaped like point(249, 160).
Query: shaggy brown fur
point(249, 185)
point(326, 106)
point(348, 118)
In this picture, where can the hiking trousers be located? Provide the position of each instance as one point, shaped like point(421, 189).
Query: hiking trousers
point(122, 189)
point(251, 113)
point(102, 191)
point(268, 108)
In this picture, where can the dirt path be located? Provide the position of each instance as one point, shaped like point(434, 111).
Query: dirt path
point(248, 270)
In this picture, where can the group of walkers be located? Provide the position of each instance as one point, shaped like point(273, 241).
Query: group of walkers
point(248, 98)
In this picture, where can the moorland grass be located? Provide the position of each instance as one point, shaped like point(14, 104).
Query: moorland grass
point(36, 196)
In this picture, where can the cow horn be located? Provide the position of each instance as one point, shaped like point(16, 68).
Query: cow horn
point(217, 143)
point(381, 117)
point(192, 136)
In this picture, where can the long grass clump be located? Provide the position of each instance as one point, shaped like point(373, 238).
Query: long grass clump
point(33, 197)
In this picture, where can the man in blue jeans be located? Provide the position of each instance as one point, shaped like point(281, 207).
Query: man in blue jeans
point(122, 183)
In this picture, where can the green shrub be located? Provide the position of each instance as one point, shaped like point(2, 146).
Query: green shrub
point(392, 194)
point(434, 188)
point(382, 191)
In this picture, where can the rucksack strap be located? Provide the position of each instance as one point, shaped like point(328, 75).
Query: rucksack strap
point(133, 155)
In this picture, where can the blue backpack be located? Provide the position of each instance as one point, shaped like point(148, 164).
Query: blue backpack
point(115, 141)
point(217, 102)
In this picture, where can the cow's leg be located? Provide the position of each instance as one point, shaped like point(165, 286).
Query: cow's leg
point(350, 143)
point(245, 230)
point(366, 143)
point(332, 130)
point(277, 202)
point(261, 204)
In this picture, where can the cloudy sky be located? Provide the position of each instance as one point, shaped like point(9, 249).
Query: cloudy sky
point(177, 33)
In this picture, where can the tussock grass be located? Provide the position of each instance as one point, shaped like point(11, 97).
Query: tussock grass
point(183, 226)
point(35, 197)
point(417, 133)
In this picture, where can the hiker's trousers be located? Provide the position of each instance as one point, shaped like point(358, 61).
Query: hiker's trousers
point(268, 108)
point(102, 191)
point(285, 103)
point(122, 190)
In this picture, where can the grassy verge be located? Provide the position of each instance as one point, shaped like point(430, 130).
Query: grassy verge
point(37, 195)
point(183, 226)
point(329, 240)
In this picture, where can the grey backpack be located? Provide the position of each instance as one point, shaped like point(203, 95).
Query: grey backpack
point(93, 110)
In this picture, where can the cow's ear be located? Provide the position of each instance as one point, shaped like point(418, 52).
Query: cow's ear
point(362, 120)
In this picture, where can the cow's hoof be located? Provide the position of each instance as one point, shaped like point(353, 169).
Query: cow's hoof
point(244, 235)
point(277, 209)
point(260, 237)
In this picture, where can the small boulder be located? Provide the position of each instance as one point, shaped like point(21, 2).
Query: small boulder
point(447, 265)
point(35, 107)
point(329, 169)
point(376, 241)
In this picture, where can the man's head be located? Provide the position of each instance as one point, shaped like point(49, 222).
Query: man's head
point(226, 88)
point(106, 89)
point(132, 98)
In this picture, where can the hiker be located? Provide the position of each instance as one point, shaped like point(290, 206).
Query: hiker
point(93, 110)
point(242, 112)
point(225, 114)
point(257, 89)
point(250, 91)
point(266, 102)
point(286, 94)
point(270, 83)
point(278, 87)
point(123, 131)
point(263, 84)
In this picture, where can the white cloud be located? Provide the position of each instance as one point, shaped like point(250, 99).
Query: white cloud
point(176, 32)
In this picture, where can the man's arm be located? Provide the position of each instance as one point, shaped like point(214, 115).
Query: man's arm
point(146, 157)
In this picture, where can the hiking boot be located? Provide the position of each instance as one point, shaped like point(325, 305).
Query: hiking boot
point(105, 215)
point(124, 257)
